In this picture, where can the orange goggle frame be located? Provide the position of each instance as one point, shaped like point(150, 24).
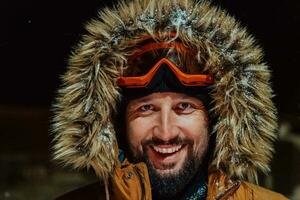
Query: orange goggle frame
point(144, 80)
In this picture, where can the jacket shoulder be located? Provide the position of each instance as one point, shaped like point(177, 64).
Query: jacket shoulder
point(94, 191)
point(258, 192)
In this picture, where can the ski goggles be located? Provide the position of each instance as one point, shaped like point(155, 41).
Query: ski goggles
point(143, 64)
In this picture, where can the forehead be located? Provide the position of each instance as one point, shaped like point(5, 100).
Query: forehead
point(164, 95)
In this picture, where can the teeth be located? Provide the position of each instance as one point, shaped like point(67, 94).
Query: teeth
point(167, 150)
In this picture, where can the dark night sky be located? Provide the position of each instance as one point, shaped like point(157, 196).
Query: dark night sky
point(37, 36)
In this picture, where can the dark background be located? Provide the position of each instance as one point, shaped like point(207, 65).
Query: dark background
point(36, 39)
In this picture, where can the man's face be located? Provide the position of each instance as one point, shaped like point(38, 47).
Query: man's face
point(168, 131)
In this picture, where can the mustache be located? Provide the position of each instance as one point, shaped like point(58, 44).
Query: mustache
point(174, 141)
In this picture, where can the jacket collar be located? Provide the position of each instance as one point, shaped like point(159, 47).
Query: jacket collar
point(220, 186)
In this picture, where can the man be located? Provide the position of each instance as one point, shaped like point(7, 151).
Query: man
point(167, 100)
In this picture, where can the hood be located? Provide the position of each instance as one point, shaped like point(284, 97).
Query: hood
point(246, 118)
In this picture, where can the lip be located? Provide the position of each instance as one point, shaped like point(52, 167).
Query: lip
point(166, 157)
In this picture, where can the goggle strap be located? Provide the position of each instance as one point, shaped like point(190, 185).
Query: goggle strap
point(160, 45)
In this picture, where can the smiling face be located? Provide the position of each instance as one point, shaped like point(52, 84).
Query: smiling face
point(168, 131)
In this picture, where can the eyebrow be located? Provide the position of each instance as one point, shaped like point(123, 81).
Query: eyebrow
point(147, 98)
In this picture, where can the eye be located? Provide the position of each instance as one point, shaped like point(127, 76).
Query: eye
point(185, 108)
point(184, 105)
point(145, 108)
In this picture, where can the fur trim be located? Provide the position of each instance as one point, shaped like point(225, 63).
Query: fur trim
point(84, 135)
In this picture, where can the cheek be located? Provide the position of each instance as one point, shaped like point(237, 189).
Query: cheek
point(195, 127)
point(137, 131)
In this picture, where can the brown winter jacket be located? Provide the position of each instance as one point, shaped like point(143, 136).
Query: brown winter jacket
point(128, 186)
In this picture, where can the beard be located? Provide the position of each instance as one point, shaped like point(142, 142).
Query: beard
point(171, 185)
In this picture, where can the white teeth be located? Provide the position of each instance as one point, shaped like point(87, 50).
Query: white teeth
point(167, 150)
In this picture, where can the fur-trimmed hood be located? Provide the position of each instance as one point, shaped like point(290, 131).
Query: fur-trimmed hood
point(246, 117)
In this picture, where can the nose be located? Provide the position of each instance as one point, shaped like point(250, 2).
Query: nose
point(166, 128)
